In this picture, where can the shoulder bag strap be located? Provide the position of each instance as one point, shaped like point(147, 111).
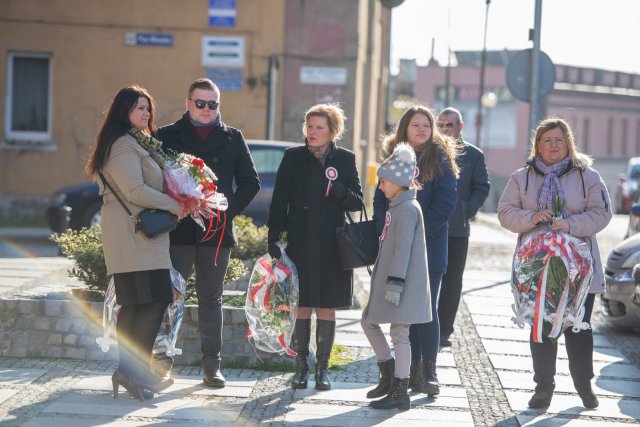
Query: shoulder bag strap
point(106, 184)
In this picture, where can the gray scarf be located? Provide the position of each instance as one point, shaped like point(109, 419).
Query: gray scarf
point(551, 184)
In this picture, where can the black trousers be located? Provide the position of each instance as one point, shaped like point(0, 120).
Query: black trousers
point(579, 349)
point(451, 287)
point(209, 286)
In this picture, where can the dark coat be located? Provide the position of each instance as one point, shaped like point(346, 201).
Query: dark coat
point(473, 189)
point(300, 207)
point(228, 156)
point(437, 199)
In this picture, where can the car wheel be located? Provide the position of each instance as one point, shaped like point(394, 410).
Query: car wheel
point(91, 216)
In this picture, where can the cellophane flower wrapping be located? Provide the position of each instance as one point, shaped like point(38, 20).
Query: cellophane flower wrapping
point(168, 334)
point(192, 183)
point(272, 303)
point(552, 272)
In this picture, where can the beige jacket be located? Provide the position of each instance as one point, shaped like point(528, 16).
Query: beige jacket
point(138, 180)
point(587, 204)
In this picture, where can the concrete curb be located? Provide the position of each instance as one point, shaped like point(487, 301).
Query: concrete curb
point(25, 232)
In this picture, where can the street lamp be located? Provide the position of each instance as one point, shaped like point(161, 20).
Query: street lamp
point(489, 101)
point(482, 67)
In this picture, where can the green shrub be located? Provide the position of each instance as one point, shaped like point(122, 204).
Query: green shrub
point(85, 248)
point(252, 240)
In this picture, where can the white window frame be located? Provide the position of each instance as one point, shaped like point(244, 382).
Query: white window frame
point(23, 138)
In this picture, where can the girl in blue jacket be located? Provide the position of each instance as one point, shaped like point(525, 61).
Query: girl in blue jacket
point(436, 156)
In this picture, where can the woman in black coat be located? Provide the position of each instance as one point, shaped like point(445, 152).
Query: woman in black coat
point(315, 185)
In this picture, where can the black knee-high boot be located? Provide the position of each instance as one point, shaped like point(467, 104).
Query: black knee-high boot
point(300, 344)
point(580, 352)
point(325, 334)
point(544, 370)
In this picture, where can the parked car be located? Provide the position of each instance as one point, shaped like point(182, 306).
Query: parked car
point(634, 218)
point(635, 299)
point(620, 284)
point(78, 206)
point(627, 186)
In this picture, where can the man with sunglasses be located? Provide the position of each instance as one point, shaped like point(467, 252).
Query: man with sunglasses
point(473, 189)
point(202, 133)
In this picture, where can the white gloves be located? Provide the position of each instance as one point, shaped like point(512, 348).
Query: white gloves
point(393, 297)
point(393, 289)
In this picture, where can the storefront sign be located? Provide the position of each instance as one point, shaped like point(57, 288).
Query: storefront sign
point(226, 78)
point(222, 51)
point(336, 76)
point(222, 13)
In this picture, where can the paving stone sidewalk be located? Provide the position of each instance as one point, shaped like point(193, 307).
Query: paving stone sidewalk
point(486, 379)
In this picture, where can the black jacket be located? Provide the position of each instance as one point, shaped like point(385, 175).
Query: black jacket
point(473, 189)
point(300, 207)
point(228, 156)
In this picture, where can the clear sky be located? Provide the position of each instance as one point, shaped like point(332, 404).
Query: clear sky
point(591, 33)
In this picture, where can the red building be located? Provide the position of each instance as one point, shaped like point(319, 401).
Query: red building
point(603, 108)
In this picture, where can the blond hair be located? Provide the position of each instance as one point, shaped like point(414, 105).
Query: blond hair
point(334, 115)
point(578, 159)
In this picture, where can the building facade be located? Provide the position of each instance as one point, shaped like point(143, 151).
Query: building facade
point(602, 107)
point(61, 63)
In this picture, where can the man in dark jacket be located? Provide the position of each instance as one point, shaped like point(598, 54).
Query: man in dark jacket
point(473, 189)
point(202, 133)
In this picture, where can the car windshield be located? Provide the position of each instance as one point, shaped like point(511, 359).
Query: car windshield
point(634, 172)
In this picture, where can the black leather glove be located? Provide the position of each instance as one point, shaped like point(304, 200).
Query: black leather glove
point(274, 250)
point(338, 191)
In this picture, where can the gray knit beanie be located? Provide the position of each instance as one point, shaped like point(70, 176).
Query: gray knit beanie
point(400, 166)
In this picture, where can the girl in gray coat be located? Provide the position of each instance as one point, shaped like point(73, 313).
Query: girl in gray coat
point(399, 283)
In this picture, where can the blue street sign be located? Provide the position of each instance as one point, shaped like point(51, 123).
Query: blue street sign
point(222, 13)
point(148, 39)
point(226, 78)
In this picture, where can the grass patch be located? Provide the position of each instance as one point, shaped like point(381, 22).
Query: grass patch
point(24, 222)
point(338, 358)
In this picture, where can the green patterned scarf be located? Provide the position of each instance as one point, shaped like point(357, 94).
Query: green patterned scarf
point(152, 145)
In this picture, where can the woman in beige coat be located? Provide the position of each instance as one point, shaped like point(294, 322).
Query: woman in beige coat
point(129, 163)
point(556, 168)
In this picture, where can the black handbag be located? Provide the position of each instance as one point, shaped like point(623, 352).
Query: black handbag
point(151, 222)
point(357, 243)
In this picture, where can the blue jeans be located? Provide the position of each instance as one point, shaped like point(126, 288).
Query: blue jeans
point(425, 337)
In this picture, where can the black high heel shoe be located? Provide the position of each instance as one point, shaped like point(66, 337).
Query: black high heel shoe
point(155, 387)
point(120, 379)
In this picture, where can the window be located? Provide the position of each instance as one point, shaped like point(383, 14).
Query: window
point(267, 159)
point(28, 102)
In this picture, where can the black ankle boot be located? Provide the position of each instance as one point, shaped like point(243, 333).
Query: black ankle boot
point(325, 334)
point(397, 397)
point(541, 398)
point(386, 376)
point(300, 338)
point(589, 399)
point(430, 383)
point(415, 376)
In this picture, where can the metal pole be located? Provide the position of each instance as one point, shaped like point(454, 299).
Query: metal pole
point(271, 97)
point(482, 67)
point(534, 98)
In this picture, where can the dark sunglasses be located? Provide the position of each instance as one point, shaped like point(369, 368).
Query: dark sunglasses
point(200, 104)
point(445, 125)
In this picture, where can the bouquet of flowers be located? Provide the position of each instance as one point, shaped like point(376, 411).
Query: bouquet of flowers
point(192, 183)
point(189, 181)
point(272, 303)
point(168, 334)
point(552, 271)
